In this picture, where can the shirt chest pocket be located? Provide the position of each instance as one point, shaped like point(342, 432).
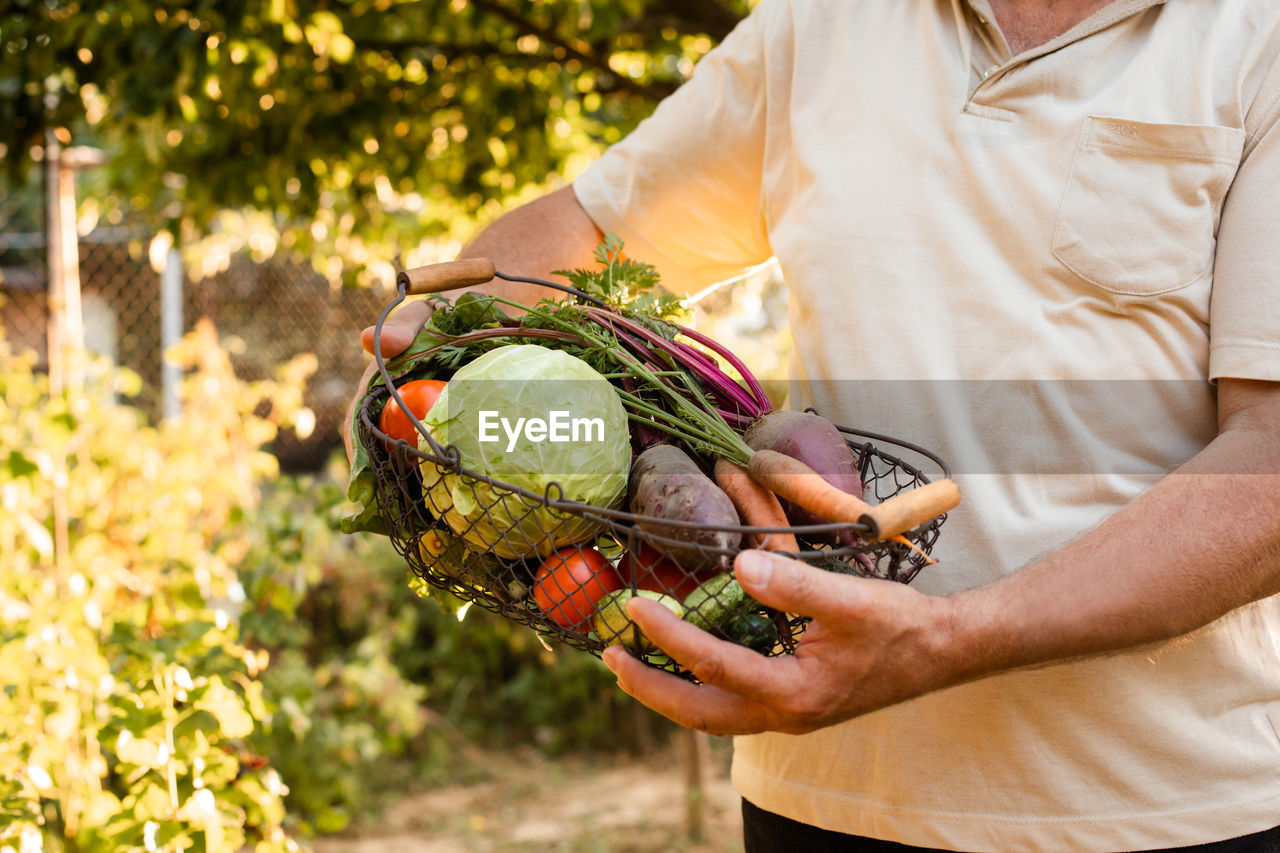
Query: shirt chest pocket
point(1139, 215)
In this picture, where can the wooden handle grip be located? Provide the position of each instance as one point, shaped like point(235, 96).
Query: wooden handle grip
point(904, 511)
point(438, 278)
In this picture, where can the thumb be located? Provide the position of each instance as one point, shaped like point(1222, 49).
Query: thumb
point(400, 328)
point(793, 586)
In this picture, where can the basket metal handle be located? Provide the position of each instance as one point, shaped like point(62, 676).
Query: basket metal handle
point(437, 278)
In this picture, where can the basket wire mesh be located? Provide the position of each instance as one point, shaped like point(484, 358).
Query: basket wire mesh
point(497, 567)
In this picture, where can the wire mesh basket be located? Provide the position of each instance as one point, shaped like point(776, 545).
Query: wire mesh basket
point(566, 568)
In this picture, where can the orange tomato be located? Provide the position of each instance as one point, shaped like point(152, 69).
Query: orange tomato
point(657, 573)
point(419, 395)
point(570, 582)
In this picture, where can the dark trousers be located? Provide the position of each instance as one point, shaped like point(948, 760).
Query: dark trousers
point(766, 832)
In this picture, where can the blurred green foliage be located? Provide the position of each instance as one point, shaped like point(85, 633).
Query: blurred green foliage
point(360, 127)
point(193, 657)
point(127, 692)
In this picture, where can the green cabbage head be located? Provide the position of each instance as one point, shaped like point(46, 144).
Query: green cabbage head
point(526, 415)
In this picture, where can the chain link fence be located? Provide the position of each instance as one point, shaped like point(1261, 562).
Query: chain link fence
point(266, 313)
point(24, 303)
point(279, 309)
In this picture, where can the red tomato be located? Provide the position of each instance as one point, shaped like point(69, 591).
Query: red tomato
point(419, 395)
point(570, 582)
point(655, 572)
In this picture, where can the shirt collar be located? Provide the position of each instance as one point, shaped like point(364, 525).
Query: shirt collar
point(1112, 13)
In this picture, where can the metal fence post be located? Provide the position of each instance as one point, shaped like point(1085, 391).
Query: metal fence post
point(66, 327)
point(171, 332)
point(66, 317)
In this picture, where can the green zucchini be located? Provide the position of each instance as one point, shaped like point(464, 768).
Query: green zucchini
point(718, 600)
point(722, 607)
point(614, 627)
point(756, 631)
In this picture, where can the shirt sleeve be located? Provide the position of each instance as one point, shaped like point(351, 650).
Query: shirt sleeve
point(683, 190)
point(1244, 309)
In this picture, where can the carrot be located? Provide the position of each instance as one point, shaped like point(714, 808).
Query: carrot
point(757, 505)
point(792, 480)
point(902, 540)
point(816, 442)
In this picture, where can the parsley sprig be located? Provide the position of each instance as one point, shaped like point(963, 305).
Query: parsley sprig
point(624, 283)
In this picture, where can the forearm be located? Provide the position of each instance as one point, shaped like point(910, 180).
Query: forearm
point(1203, 541)
point(548, 234)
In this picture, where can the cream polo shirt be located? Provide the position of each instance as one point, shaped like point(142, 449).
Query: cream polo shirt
point(1034, 264)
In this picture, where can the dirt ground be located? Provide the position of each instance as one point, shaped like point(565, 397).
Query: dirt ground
point(577, 806)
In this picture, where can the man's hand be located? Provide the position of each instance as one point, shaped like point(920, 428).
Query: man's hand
point(397, 333)
point(1147, 574)
point(871, 643)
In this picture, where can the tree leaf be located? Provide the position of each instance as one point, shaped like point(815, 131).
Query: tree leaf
point(20, 466)
point(225, 704)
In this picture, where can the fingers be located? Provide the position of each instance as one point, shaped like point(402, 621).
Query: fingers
point(846, 663)
point(713, 661)
point(703, 708)
point(792, 586)
point(741, 691)
point(400, 328)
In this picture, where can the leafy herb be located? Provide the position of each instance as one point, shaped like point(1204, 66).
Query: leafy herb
point(470, 312)
point(624, 283)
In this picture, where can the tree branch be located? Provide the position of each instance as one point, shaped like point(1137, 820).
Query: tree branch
point(488, 51)
point(451, 51)
point(575, 48)
point(711, 17)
